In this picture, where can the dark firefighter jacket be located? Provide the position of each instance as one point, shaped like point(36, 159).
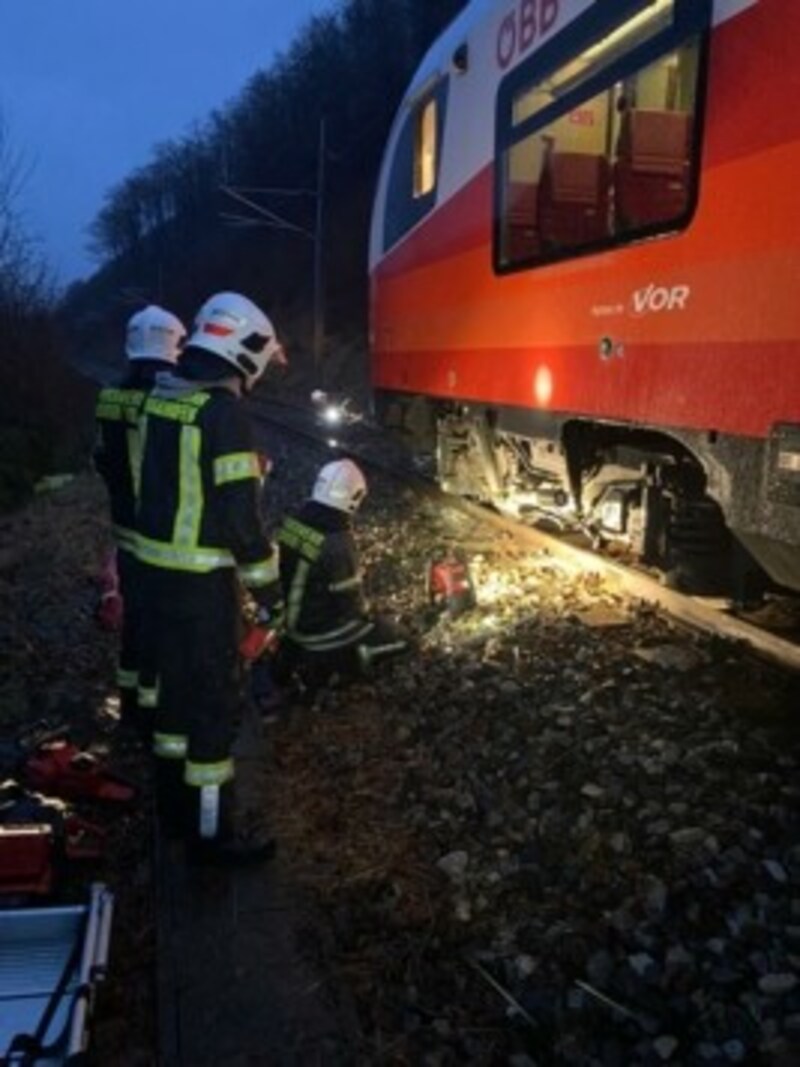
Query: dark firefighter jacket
point(325, 606)
point(199, 506)
point(117, 453)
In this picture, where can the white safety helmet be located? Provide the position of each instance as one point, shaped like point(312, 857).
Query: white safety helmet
point(340, 485)
point(233, 328)
point(154, 333)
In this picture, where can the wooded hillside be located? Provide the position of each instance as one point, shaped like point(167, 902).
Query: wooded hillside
point(162, 234)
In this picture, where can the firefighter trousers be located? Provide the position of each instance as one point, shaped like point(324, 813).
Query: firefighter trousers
point(196, 620)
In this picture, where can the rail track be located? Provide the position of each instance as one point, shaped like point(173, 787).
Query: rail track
point(711, 615)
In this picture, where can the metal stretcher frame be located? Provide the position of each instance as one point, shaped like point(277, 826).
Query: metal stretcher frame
point(50, 961)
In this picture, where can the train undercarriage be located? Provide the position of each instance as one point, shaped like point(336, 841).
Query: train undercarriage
point(642, 494)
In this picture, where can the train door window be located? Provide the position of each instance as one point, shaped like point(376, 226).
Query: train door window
point(601, 149)
point(414, 170)
point(425, 148)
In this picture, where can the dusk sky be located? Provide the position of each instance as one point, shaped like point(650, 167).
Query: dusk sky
point(88, 87)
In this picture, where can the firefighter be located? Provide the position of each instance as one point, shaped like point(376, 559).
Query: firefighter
point(200, 535)
point(328, 629)
point(152, 344)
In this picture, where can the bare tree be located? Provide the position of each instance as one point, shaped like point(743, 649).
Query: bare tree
point(23, 277)
point(40, 400)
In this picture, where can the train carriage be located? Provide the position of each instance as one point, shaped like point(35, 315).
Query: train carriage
point(583, 259)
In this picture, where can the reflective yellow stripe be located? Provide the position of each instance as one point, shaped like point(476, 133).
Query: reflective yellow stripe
point(119, 405)
point(301, 538)
point(127, 679)
point(264, 573)
point(196, 560)
point(134, 459)
point(186, 532)
point(296, 591)
point(235, 467)
point(108, 412)
point(183, 553)
point(170, 746)
point(184, 410)
point(137, 435)
point(201, 774)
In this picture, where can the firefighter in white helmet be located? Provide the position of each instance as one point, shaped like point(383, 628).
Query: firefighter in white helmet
point(152, 345)
point(200, 537)
point(328, 630)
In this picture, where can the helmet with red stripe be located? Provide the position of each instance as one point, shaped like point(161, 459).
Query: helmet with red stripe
point(232, 327)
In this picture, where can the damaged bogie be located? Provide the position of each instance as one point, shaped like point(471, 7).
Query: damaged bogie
point(637, 490)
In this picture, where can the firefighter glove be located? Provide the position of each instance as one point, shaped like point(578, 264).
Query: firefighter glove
point(270, 605)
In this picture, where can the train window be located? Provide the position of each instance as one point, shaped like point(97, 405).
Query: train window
point(640, 28)
point(616, 160)
point(414, 171)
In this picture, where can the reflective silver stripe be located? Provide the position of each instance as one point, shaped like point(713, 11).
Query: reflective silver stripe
point(147, 696)
point(127, 679)
point(209, 811)
point(235, 467)
point(345, 635)
point(185, 534)
point(263, 573)
point(345, 583)
point(165, 554)
point(170, 746)
point(201, 774)
point(380, 650)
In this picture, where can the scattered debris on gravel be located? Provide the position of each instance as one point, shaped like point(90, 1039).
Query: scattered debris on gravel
point(563, 831)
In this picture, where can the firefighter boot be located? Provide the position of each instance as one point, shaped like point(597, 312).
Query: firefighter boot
point(216, 839)
point(172, 802)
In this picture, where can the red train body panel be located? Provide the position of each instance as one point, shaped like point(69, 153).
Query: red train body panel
point(693, 331)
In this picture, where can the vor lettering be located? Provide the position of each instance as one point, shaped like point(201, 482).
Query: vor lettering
point(654, 298)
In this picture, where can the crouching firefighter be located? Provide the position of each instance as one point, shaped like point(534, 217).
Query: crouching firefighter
point(152, 345)
point(328, 629)
point(200, 534)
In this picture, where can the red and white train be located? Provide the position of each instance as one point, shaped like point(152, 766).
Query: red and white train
point(585, 272)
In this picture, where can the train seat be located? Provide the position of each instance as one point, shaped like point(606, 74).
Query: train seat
point(651, 175)
point(522, 231)
point(574, 199)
